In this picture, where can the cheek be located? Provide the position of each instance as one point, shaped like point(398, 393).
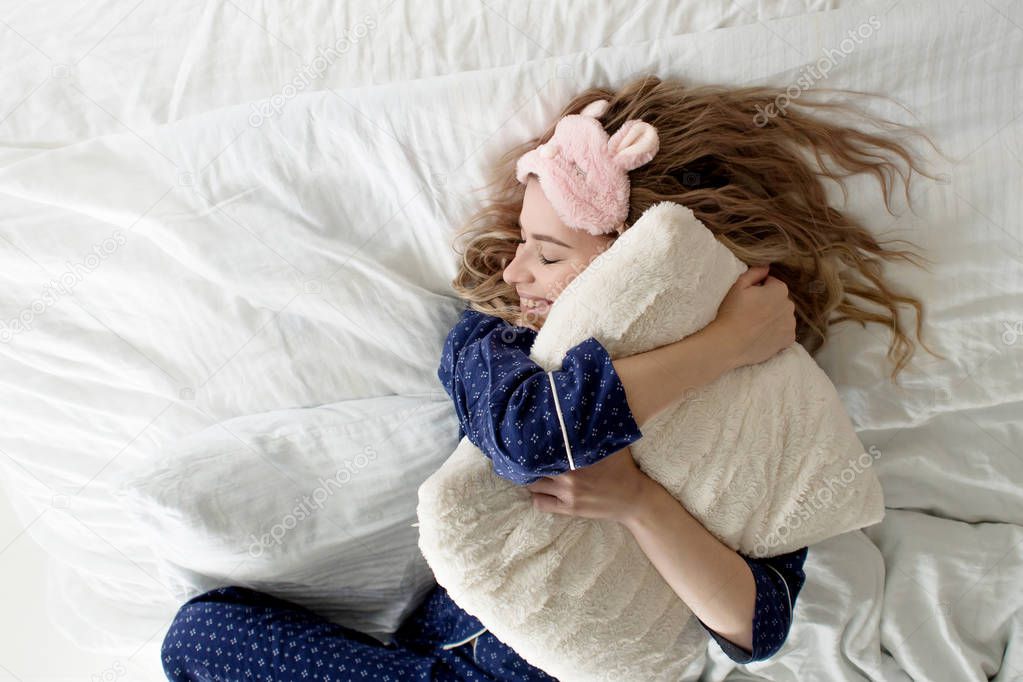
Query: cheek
point(570, 272)
point(555, 278)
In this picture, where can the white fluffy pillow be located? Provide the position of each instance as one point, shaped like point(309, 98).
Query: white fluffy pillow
point(313, 505)
point(765, 457)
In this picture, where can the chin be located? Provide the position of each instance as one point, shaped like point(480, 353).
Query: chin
point(533, 324)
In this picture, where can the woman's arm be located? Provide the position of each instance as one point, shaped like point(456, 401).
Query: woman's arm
point(779, 580)
point(753, 323)
point(509, 407)
point(659, 378)
point(736, 598)
point(616, 489)
point(710, 577)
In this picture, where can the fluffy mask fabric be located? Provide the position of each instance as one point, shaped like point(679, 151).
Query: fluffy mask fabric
point(584, 173)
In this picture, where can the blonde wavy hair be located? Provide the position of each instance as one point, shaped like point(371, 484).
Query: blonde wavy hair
point(748, 177)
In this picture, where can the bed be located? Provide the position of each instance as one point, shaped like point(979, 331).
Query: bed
point(227, 218)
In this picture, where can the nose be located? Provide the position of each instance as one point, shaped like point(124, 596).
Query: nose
point(517, 271)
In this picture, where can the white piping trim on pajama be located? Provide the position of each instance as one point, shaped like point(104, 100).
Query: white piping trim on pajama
point(452, 645)
point(786, 584)
point(561, 420)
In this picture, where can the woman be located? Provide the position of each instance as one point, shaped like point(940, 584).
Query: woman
point(750, 185)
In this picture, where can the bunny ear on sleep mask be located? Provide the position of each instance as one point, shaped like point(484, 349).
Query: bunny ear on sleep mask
point(584, 173)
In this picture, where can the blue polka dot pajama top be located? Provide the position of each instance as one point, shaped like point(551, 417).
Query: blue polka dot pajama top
point(507, 407)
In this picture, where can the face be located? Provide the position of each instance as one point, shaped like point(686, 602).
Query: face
point(549, 256)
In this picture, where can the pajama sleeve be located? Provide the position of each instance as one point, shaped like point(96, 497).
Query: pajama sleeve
point(508, 406)
point(779, 580)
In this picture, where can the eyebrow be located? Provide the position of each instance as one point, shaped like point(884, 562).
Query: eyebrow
point(544, 238)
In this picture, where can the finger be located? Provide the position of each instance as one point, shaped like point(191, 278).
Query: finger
point(542, 485)
point(753, 275)
point(772, 281)
point(547, 503)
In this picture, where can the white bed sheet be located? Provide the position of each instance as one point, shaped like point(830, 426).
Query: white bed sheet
point(304, 261)
point(145, 65)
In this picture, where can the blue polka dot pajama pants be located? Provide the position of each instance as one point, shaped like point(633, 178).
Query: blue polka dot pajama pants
point(235, 633)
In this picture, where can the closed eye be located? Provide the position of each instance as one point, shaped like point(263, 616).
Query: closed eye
point(539, 254)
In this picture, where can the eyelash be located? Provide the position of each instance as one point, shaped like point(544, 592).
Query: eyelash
point(542, 259)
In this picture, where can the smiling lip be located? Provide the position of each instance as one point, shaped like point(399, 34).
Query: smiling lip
point(534, 298)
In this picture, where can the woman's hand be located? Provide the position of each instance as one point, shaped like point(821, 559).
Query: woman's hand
point(757, 318)
point(610, 489)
